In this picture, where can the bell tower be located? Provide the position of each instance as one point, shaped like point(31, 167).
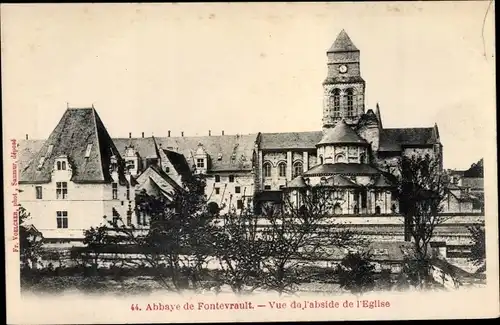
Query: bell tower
point(343, 88)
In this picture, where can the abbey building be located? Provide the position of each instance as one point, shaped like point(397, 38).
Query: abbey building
point(80, 173)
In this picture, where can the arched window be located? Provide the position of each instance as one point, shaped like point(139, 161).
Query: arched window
point(267, 169)
point(282, 169)
point(321, 159)
point(350, 102)
point(340, 158)
point(335, 102)
point(297, 169)
point(63, 165)
point(58, 165)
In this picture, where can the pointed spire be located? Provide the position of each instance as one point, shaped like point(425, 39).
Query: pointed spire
point(343, 43)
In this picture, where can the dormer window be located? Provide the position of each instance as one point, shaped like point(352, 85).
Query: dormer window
point(49, 150)
point(200, 163)
point(61, 163)
point(219, 156)
point(40, 163)
point(87, 152)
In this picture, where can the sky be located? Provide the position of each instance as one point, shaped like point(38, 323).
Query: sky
point(248, 68)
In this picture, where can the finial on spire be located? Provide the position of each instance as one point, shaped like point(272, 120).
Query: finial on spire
point(92, 105)
point(67, 105)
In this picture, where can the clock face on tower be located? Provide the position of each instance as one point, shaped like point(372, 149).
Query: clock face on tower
point(343, 69)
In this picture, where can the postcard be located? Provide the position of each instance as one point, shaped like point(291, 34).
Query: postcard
point(247, 162)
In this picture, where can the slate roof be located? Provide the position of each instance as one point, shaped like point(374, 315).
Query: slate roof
point(156, 179)
point(77, 128)
point(297, 182)
point(395, 139)
point(145, 146)
point(342, 43)
point(342, 134)
point(473, 182)
point(27, 150)
point(290, 140)
point(340, 181)
point(179, 162)
point(342, 168)
point(382, 182)
point(236, 151)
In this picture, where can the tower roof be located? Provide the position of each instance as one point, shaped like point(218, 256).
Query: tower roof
point(81, 136)
point(342, 133)
point(343, 43)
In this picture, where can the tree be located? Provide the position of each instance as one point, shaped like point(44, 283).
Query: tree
point(385, 281)
point(30, 241)
point(177, 239)
point(239, 251)
point(478, 248)
point(299, 232)
point(356, 273)
point(96, 239)
point(421, 192)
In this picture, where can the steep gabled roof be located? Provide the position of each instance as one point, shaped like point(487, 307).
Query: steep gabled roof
point(159, 177)
point(290, 140)
point(342, 43)
point(78, 128)
point(178, 161)
point(342, 134)
point(395, 139)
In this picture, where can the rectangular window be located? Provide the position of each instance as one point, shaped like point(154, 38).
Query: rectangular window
point(239, 204)
point(128, 192)
point(217, 190)
point(237, 189)
point(115, 191)
point(87, 152)
point(129, 218)
point(217, 178)
point(267, 187)
point(200, 163)
point(130, 164)
point(231, 179)
point(38, 192)
point(62, 219)
point(61, 190)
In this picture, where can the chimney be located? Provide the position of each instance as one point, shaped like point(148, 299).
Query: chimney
point(143, 134)
point(26, 136)
point(209, 133)
point(130, 135)
point(182, 133)
point(169, 133)
point(222, 132)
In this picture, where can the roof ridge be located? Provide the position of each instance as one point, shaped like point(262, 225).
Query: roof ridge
point(98, 142)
